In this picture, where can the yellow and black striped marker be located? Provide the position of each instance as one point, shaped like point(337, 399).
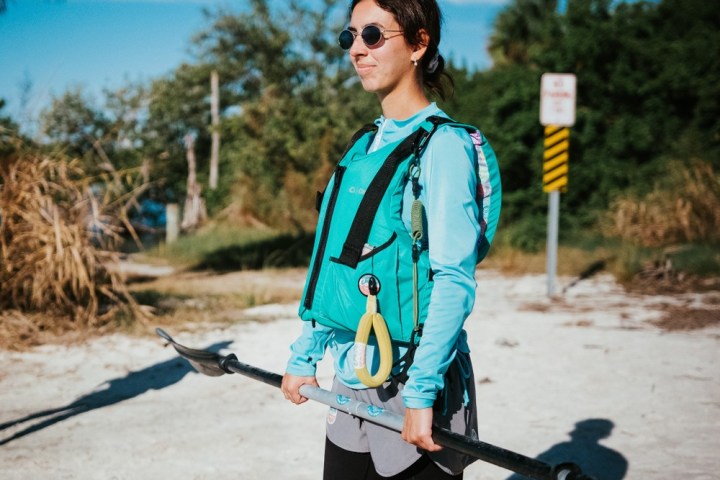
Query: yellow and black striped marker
point(555, 158)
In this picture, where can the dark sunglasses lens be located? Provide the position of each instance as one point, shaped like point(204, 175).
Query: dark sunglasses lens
point(371, 35)
point(346, 39)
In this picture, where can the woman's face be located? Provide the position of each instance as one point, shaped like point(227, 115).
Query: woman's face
point(386, 67)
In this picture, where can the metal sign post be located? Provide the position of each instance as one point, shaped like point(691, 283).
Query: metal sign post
point(557, 110)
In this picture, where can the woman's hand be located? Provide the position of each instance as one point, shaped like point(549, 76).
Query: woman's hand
point(417, 428)
point(291, 387)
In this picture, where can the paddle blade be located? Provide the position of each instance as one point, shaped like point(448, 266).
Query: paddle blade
point(207, 363)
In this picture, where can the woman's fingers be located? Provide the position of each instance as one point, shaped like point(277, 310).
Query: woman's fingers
point(417, 428)
point(291, 384)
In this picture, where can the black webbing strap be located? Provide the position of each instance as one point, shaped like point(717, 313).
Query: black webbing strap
point(409, 357)
point(370, 127)
point(360, 228)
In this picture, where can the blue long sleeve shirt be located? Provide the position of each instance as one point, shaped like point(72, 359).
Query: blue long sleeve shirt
point(448, 181)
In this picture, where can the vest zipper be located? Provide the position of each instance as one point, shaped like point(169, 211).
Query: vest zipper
point(320, 253)
point(378, 137)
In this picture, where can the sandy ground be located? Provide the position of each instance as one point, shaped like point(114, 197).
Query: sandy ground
point(587, 378)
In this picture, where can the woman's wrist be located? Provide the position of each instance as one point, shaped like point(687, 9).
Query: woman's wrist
point(418, 402)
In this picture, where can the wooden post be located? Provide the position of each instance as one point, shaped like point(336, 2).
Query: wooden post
point(215, 115)
point(172, 226)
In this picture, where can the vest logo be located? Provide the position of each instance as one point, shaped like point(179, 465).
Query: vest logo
point(364, 284)
point(356, 190)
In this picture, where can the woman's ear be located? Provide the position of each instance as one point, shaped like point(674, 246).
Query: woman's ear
point(421, 47)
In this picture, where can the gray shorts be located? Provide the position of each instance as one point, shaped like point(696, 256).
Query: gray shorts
point(390, 453)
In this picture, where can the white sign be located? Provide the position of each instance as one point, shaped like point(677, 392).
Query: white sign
point(557, 99)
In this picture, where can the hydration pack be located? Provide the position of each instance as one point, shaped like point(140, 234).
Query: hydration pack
point(362, 246)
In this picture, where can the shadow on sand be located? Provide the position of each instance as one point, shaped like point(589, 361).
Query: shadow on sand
point(154, 377)
point(584, 449)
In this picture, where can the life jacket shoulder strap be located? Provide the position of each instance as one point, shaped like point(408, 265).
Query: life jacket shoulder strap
point(438, 121)
point(370, 127)
point(359, 232)
point(414, 144)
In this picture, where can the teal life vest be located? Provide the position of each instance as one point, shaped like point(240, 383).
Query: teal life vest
point(362, 243)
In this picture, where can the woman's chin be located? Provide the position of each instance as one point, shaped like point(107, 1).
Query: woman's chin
point(368, 86)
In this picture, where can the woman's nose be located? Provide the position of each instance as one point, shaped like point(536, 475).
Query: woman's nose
point(358, 46)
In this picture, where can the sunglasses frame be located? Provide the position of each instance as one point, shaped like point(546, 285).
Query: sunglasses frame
point(363, 34)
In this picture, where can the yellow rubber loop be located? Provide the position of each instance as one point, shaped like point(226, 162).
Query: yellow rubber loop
point(372, 321)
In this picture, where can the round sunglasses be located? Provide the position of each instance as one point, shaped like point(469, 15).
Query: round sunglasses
point(371, 36)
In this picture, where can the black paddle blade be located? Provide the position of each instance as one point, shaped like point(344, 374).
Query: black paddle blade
point(207, 363)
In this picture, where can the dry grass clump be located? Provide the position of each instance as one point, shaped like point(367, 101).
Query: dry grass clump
point(684, 318)
point(58, 230)
point(683, 207)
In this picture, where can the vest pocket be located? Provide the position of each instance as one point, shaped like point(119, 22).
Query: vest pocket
point(346, 289)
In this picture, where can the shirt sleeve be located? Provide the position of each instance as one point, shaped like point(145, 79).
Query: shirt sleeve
point(450, 184)
point(308, 350)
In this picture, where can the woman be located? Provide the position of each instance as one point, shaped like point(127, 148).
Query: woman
point(450, 175)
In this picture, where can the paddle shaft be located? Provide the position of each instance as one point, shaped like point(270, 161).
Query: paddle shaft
point(501, 457)
point(213, 364)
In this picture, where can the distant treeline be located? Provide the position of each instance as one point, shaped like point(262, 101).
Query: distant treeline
point(645, 148)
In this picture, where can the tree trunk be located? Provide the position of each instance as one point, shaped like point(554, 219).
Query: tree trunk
point(194, 212)
point(215, 114)
point(145, 170)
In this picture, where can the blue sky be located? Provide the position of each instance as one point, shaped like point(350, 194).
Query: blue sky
point(52, 45)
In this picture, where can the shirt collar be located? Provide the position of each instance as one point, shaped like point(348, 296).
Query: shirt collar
point(391, 130)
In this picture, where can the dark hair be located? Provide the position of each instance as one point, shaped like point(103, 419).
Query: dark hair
point(413, 16)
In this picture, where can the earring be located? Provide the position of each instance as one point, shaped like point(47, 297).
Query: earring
point(414, 62)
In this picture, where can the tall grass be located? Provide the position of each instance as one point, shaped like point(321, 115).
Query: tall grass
point(582, 253)
point(684, 206)
point(573, 259)
point(221, 246)
point(58, 230)
point(191, 250)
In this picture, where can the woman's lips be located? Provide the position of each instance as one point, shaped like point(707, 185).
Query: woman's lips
point(362, 69)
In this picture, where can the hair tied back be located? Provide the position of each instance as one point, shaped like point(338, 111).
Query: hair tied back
point(433, 65)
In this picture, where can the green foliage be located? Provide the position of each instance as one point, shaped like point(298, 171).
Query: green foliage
point(297, 109)
point(280, 251)
point(78, 127)
point(8, 133)
point(648, 93)
point(701, 259)
point(178, 106)
point(105, 138)
point(527, 234)
point(522, 30)
point(227, 248)
point(190, 250)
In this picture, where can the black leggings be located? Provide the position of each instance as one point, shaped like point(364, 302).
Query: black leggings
point(342, 464)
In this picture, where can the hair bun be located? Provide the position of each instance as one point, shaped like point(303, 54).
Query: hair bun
point(434, 63)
